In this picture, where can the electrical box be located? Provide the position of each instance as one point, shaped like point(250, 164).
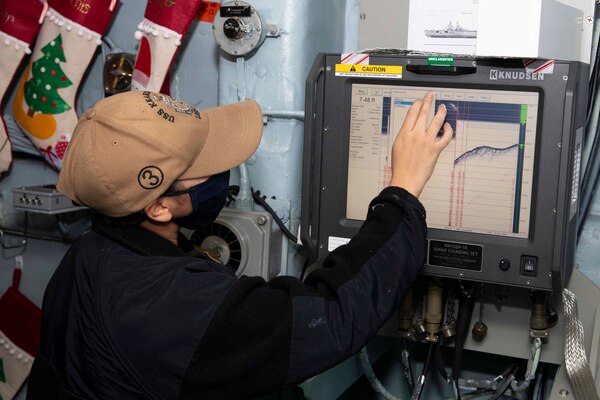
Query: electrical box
point(44, 199)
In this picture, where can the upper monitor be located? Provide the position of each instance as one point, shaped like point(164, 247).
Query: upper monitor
point(502, 202)
point(483, 180)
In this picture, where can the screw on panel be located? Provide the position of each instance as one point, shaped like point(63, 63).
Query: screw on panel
point(261, 220)
point(325, 129)
point(559, 144)
point(554, 210)
point(474, 63)
point(589, 19)
point(565, 78)
point(328, 68)
point(408, 61)
point(363, 16)
point(320, 246)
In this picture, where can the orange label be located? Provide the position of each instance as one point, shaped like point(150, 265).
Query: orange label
point(207, 11)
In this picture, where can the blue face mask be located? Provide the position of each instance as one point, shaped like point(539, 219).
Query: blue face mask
point(208, 199)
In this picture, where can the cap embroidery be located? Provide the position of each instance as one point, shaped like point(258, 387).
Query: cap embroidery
point(150, 177)
point(176, 105)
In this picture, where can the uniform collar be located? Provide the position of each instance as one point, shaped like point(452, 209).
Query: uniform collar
point(141, 240)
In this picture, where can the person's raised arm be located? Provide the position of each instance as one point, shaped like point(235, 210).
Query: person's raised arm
point(417, 147)
point(266, 334)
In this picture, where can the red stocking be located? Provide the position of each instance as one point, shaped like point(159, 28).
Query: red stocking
point(20, 330)
point(165, 22)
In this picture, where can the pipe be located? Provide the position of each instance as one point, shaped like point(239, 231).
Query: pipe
point(283, 114)
point(244, 200)
point(240, 78)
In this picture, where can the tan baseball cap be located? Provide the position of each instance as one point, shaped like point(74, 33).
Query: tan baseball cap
point(129, 148)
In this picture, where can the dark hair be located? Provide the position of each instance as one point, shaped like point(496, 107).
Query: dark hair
point(128, 220)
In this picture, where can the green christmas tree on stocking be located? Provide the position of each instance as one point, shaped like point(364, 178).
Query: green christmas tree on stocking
point(41, 90)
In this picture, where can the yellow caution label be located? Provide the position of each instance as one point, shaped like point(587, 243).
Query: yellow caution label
point(377, 71)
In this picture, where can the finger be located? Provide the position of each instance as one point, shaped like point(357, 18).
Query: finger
point(437, 122)
point(446, 137)
point(424, 113)
point(412, 115)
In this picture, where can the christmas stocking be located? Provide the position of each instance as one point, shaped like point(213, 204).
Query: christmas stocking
point(164, 24)
point(19, 23)
point(20, 331)
point(44, 105)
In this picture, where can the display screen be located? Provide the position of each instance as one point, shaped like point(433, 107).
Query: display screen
point(483, 180)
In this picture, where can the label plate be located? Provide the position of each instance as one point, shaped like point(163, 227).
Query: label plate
point(455, 255)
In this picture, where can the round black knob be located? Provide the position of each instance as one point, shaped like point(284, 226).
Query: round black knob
point(504, 264)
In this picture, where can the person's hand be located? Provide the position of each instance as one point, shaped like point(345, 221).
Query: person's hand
point(417, 148)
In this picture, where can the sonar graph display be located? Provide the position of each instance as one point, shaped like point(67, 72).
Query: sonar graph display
point(483, 180)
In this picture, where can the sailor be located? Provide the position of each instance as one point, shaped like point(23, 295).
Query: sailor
point(134, 312)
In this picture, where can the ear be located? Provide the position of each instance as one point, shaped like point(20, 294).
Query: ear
point(159, 210)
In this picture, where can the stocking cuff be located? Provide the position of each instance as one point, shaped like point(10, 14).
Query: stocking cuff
point(69, 25)
point(150, 28)
point(15, 365)
point(17, 44)
point(14, 350)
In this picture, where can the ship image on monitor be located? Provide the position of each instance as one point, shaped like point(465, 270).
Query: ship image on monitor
point(452, 31)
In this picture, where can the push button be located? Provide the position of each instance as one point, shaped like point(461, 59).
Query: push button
point(504, 264)
point(529, 265)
